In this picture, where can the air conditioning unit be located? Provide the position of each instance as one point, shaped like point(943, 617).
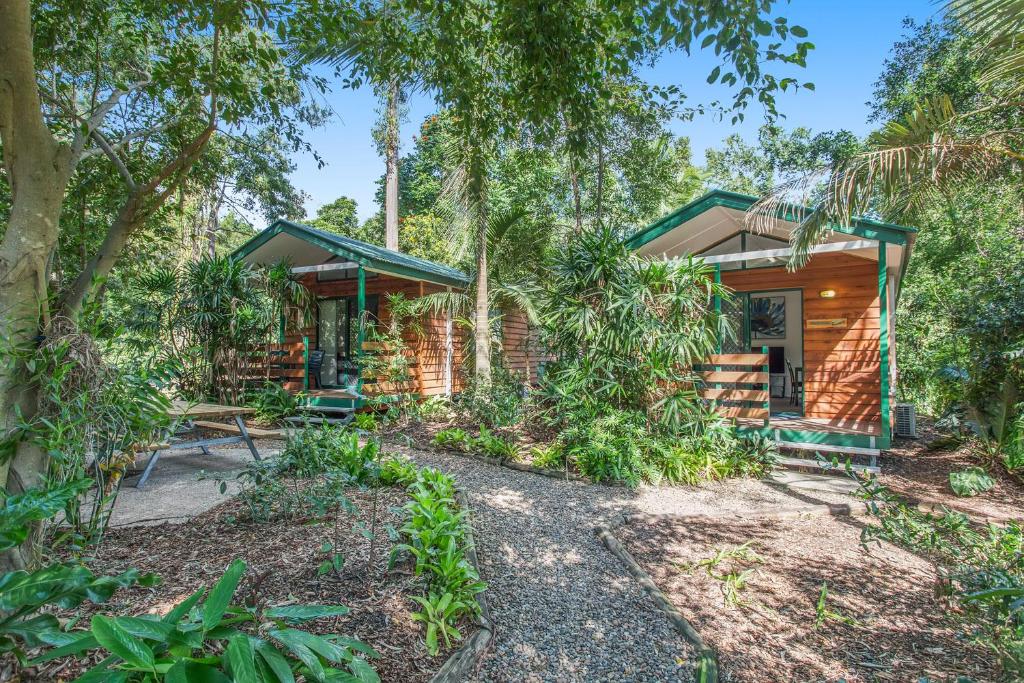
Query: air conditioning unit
point(906, 420)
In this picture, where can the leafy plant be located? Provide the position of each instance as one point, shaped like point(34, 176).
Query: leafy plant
point(206, 637)
point(497, 402)
point(397, 472)
point(970, 482)
point(733, 584)
point(440, 614)
point(551, 456)
point(434, 536)
point(273, 403)
point(366, 422)
point(453, 438)
point(496, 447)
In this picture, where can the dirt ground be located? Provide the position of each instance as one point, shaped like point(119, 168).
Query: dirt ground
point(881, 622)
point(919, 469)
point(282, 559)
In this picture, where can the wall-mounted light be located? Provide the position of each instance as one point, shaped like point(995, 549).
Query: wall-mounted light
point(827, 294)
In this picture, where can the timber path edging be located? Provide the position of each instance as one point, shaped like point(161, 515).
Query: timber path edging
point(707, 667)
point(463, 661)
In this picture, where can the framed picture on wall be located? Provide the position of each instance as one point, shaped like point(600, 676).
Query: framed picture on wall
point(768, 317)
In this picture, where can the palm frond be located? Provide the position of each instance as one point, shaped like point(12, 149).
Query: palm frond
point(999, 27)
point(906, 163)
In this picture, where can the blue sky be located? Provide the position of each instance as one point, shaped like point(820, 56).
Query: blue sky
point(851, 39)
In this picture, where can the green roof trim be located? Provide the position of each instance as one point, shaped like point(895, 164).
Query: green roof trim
point(369, 256)
point(867, 228)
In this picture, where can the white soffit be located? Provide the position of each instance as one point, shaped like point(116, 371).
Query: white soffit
point(297, 251)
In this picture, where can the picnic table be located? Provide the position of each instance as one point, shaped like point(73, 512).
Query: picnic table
point(192, 416)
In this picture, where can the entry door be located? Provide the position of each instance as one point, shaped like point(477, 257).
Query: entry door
point(331, 337)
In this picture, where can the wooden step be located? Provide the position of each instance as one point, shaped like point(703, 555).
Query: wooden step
point(828, 448)
point(825, 466)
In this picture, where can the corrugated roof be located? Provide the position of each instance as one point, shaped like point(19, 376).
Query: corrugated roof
point(370, 255)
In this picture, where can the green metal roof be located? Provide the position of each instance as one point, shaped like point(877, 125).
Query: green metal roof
point(370, 256)
point(867, 228)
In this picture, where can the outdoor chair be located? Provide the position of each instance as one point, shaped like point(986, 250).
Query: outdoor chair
point(797, 384)
point(316, 361)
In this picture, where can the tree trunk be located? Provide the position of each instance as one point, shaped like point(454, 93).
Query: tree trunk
point(391, 171)
point(482, 327)
point(600, 182)
point(38, 168)
point(577, 199)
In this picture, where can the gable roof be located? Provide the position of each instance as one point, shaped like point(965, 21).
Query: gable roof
point(866, 228)
point(370, 256)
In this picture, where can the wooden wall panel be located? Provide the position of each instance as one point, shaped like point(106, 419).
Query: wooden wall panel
point(841, 366)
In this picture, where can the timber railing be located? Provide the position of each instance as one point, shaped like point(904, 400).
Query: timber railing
point(737, 385)
point(392, 372)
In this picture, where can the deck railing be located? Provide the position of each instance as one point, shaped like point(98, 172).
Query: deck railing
point(737, 384)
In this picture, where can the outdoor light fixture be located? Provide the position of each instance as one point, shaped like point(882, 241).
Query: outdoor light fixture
point(827, 294)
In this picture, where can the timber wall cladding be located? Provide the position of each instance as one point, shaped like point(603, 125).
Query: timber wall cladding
point(520, 346)
point(841, 365)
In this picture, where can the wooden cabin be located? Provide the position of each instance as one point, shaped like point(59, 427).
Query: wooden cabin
point(347, 277)
point(812, 361)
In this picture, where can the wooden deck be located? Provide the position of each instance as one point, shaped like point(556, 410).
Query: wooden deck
point(817, 424)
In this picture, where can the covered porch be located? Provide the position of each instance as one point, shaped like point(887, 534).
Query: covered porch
point(350, 281)
point(807, 356)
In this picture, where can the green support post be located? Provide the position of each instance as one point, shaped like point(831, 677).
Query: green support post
point(768, 388)
point(718, 306)
point(305, 363)
point(280, 328)
point(883, 337)
point(360, 317)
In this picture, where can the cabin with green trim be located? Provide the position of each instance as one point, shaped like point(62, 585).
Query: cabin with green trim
point(812, 359)
point(347, 277)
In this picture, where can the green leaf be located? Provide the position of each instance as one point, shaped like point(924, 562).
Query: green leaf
point(300, 613)
point(183, 607)
point(121, 643)
point(220, 595)
point(194, 672)
point(241, 657)
point(363, 671)
point(798, 31)
point(970, 482)
point(275, 661)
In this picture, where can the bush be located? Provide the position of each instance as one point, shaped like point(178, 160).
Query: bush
point(273, 403)
point(487, 443)
point(498, 403)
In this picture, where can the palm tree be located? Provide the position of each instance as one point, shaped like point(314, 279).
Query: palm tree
point(517, 246)
point(933, 150)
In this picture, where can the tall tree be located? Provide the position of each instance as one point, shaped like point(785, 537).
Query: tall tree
point(512, 67)
point(142, 84)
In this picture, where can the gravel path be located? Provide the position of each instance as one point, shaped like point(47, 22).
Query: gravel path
point(564, 607)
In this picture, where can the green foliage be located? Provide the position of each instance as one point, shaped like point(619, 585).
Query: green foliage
point(28, 596)
point(497, 402)
point(454, 439)
point(627, 331)
point(432, 409)
point(970, 482)
point(434, 535)
point(486, 443)
point(321, 449)
point(366, 422)
point(824, 613)
point(273, 403)
point(397, 471)
point(207, 637)
point(550, 456)
point(339, 217)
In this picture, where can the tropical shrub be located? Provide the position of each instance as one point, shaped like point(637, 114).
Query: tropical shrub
point(397, 471)
point(486, 443)
point(496, 403)
point(273, 403)
point(626, 331)
point(206, 637)
point(27, 597)
point(970, 482)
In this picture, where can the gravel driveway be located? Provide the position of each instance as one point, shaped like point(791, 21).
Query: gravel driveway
point(564, 607)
